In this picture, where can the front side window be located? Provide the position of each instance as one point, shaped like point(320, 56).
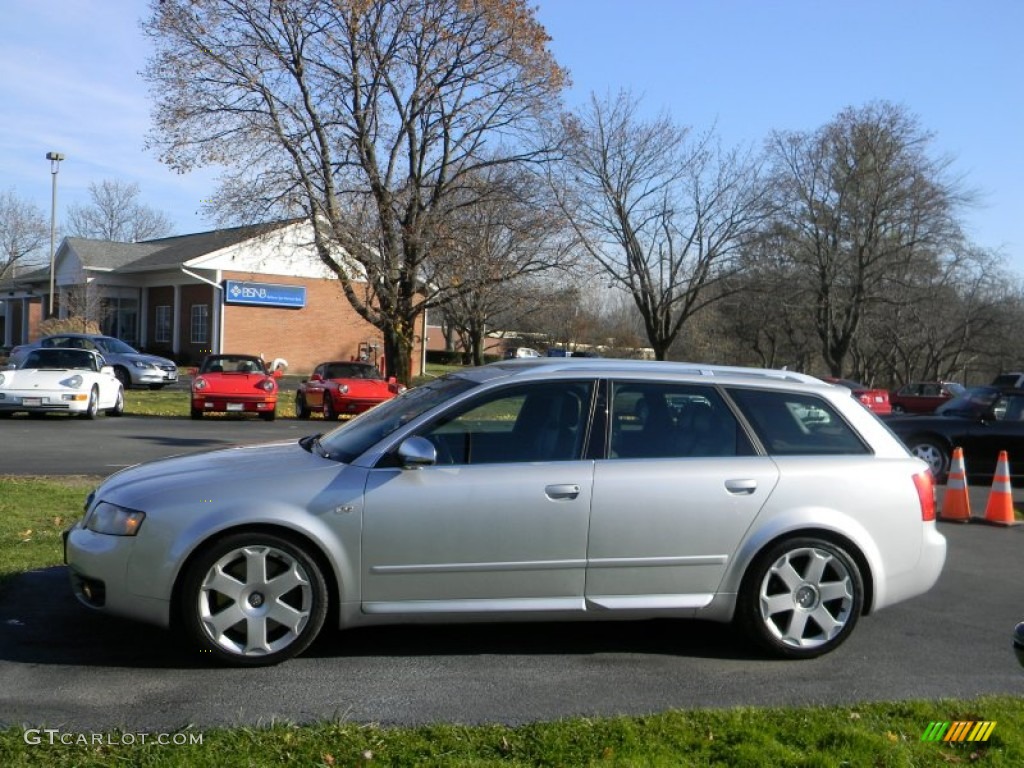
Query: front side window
point(651, 420)
point(797, 424)
point(525, 423)
point(200, 323)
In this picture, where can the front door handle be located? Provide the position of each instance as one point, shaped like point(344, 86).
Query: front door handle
point(562, 491)
point(741, 487)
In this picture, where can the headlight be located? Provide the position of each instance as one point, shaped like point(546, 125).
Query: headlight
point(140, 364)
point(114, 520)
point(267, 385)
point(74, 381)
point(343, 389)
point(199, 384)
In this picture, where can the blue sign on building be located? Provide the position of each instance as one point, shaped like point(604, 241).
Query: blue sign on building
point(264, 294)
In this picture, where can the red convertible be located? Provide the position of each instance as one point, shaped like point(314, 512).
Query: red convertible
point(343, 388)
point(234, 384)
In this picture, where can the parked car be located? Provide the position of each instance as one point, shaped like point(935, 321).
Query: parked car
point(71, 381)
point(876, 400)
point(983, 421)
point(512, 353)
point(525, 490)
point(234, 384)
point(130, 366)
point(343, 388)
point(1013, 379)
point(923, 396)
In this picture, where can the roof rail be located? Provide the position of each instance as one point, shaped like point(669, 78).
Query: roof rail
point(698, 369)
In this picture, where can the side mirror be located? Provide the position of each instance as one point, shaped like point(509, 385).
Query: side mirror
point(416, 452)
point(193, 372)
point(278, 373)
point(316, 377)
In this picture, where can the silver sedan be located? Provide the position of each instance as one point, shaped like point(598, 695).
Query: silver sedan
point(529, 490)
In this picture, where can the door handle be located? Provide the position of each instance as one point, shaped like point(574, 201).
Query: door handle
point(741, 487)
point(562, 491)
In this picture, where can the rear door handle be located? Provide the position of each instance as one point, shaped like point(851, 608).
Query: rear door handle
point(562, 491)
point(741, 487)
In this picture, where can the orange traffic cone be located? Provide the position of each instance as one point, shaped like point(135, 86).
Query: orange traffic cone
point(999, 510)
point(956, 504)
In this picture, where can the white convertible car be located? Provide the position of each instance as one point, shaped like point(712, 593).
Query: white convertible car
point(61, 380)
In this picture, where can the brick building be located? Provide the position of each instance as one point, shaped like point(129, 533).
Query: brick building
point(254, 290)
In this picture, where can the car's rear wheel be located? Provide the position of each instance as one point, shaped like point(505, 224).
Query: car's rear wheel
point(93, 408)
point(329, 413)
point(932, 452)
point(301, 409)
point(253, 599)
point(801, 598)
point(123, 376)
point(118, 409)
point(897, 409)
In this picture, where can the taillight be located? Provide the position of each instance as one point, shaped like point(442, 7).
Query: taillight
point(925, 484)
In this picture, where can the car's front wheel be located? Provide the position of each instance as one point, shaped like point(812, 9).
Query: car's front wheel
point(801, 598)
point(301, 409)
point(118, 409)
point(269, 415)
point(253, 599)
point(329, 413)
point(93, 408)
point(932, 452)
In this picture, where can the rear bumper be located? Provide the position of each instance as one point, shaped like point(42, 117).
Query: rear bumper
point(920, 578)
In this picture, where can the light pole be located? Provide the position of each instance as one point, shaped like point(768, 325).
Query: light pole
point(54, 158)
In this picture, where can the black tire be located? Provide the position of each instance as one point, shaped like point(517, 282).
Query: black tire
point(329, 413)
point(118, 409)
point(812, 613)
point(196, 414)
point(93, 408)
point(269, 415)
point(898, 409)
point(934, 452)
point(304, 602)
point(123, 376)
point(301, 409)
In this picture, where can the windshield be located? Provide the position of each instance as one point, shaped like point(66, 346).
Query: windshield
point(232, 364)
point(357, 436)
point(352, 371)
point(114, 346)
point(971, 401)
point(60, 359)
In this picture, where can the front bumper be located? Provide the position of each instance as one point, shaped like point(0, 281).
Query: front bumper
point(98, 567)
point(230, 404)
point(44, 400)
point(153, 376)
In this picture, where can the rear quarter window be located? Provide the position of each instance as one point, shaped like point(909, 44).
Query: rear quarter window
point(797, 424)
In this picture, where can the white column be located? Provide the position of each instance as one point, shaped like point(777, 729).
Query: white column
point(175, 327)
point(216, 339)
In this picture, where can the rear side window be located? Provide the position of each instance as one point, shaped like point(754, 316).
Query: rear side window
point(797, 424)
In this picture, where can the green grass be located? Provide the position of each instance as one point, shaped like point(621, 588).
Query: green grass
point(33, 511)
point(885, 734)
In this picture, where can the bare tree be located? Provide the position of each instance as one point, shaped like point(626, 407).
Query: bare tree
point(508, 234)
point(369, 117)
point(23, 231)
point(664, 216)
point(115, 213)
point(865, 209)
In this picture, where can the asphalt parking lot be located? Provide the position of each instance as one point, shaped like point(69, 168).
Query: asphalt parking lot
point(61, 664)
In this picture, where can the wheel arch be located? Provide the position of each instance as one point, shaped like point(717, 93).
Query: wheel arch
point(847, 544)
point(299, 538)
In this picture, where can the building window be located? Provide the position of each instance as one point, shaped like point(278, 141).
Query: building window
point(200, 324)
point(163, 324)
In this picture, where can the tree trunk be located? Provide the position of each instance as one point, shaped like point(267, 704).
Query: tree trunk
point(397, 354)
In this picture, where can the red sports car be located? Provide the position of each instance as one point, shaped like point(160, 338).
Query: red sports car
point(234, 384)
point(876, 400)
point(343, 388)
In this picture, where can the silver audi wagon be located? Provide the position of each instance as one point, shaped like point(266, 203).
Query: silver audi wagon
point(533, 490)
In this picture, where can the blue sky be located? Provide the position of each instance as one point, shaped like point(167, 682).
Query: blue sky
point(69, 82)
